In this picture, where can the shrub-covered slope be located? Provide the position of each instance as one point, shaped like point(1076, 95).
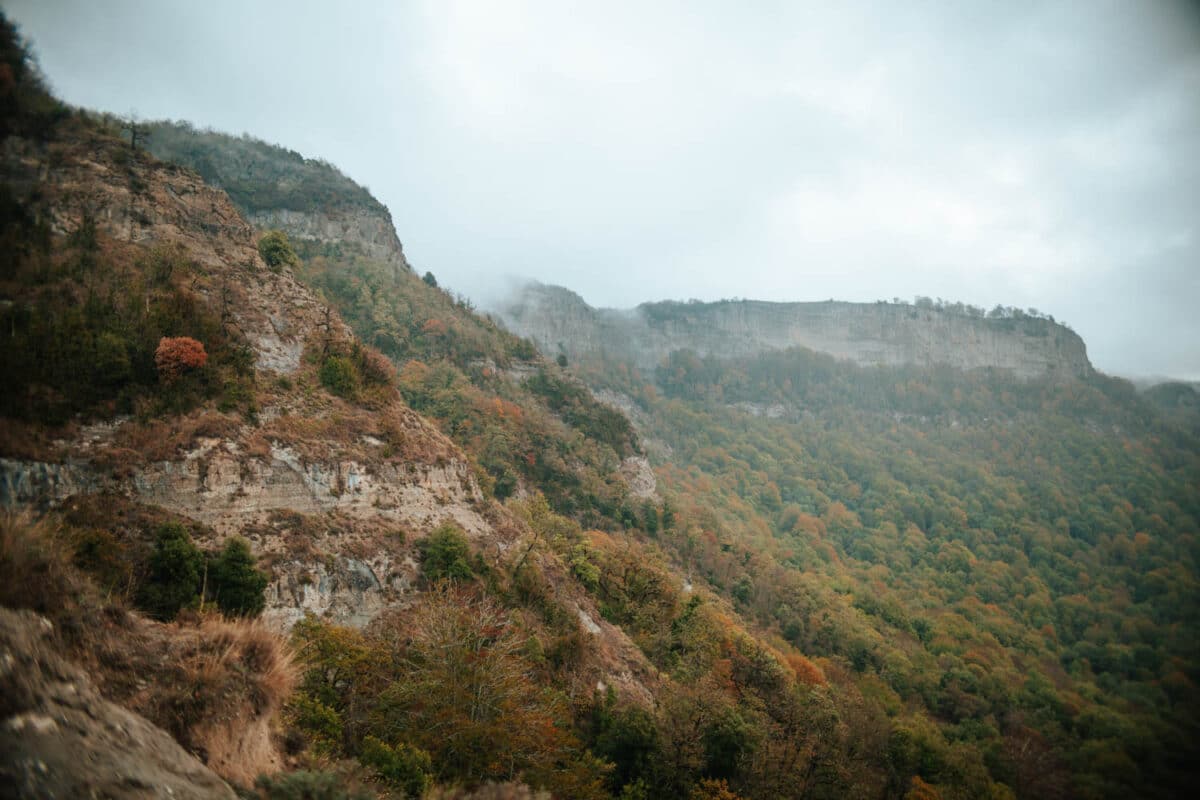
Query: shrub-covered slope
point(1009, 565)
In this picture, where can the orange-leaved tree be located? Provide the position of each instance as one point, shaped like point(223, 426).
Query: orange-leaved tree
point(177, 355)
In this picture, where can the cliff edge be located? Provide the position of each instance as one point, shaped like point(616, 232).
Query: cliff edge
point(870, 334)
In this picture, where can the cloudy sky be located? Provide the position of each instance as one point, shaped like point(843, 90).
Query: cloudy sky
point(1033, 154)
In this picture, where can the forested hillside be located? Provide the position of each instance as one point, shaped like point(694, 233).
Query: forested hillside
point(1008, 565)
point(309, 525)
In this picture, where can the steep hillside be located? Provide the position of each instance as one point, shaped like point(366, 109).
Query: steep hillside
point(885, 334)
point(1011, 559)
point(898, 580)
point(280, 189)
point(184, 409)
point(526, 424)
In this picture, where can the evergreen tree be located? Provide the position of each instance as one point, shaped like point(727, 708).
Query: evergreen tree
point(175, 571)
point(235, 583)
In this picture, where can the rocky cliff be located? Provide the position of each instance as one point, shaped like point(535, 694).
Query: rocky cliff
point(334, 496)
point(275, 188)
point(559, 321)
point(368, 230)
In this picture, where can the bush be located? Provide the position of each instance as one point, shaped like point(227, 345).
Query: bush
point(307, 786)
point(404, 767)
point(236, 585)
point(446, 554)
point(374, 367)
point(321, 724)
point(178, 355)
point(174, 575)
point(276, 250)
point(339, 376)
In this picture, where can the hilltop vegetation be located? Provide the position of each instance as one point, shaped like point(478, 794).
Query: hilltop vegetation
point(256, 175)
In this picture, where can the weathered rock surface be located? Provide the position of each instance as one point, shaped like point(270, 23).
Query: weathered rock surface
point(345, 578)
point(866, 333)
point(60, 739)
point(214, 485)
point(369, 230)
point(640, 476)
point(137, 199)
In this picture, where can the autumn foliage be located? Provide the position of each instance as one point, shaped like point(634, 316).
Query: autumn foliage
point(177, 355)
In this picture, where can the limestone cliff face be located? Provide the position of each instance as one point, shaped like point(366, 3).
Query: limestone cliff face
point(866, 333)
point(354, 561)
point(368, 229)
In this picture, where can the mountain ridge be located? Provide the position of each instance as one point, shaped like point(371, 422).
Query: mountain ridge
point(869, 334)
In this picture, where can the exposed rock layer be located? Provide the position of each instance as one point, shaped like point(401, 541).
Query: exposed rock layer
point(370, 231)
point(867, 333)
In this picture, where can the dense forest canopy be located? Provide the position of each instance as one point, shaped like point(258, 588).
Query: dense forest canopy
point(1012, 558)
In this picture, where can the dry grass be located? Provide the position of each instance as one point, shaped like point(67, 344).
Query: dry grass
point(216, 685)
point(137, 443)
point(228, 683)
point(35, 566)
point(406, 438)
point(30, 441)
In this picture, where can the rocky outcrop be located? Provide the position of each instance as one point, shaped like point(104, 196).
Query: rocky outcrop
point(136, 199)
point(638, 473)
point(368, 230)
point(215, 485)
point(342, 574)
point(60, 738)
point(866, 333)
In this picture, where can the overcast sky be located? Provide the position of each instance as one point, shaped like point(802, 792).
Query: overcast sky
point(1031, 154)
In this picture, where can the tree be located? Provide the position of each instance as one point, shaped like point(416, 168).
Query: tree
point(405, 767)
point(430, 280)
point(178, 355)
point(139, 132)
point(174, 574)
point(277, 251)
point(446, 554)
point(466, 696)
point(235, 583)
point(339, 376)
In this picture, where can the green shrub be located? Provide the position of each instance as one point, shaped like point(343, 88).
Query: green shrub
point(321, 723)
point(174, 574)
point(446, 554)
point(234, 582)
point(339, 376)
point(405, 767)
point(276, 250)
